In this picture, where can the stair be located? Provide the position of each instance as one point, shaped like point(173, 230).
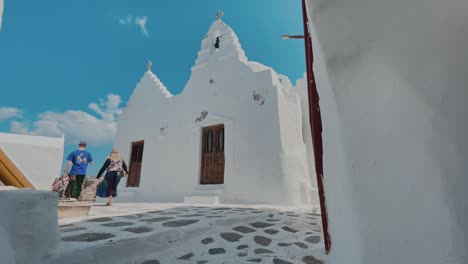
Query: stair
point(88, 193)
point(69, 207)
point(205, 194)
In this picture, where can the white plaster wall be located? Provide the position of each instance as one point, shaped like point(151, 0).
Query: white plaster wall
point(144, 115)
point(1, 13)
point(254, 144)
point(39, 158)
point(28, 225)
point(263, 162)
point(302, 90)
point(294, 150)
point(393, 81)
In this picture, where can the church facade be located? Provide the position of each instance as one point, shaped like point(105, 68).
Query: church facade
point(238, 133)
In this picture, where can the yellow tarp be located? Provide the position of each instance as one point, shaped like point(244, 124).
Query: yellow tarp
point(10, 174)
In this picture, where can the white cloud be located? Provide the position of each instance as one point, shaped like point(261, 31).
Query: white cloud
point(139, 21)
point(77, 125)
point(9, 112)
point(126, 21)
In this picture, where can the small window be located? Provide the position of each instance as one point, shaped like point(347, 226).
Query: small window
point(221, 140)
point(209, 141)
point(216, 45)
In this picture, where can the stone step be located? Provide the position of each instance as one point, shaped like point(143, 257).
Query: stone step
point(89, 190)
point(202, 199)
point(69, 207)
point(73, 209)
point(206, 193)
point(208, 190)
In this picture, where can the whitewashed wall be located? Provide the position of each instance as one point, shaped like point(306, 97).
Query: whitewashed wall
point(1, 13)
point(38, 158)
point(392, 76)
point(302, 90)
point(28, 226)
point(142, 118)
point(264, 148)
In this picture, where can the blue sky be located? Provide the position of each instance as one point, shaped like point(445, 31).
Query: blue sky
point(70, 66)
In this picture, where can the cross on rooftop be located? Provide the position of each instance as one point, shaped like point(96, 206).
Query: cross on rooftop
point(219, 14)
point(148, 65)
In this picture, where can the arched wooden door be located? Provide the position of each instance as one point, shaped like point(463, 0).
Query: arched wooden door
point(212, 167)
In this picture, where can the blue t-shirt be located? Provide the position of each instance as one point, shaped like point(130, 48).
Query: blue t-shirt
point(80, 160)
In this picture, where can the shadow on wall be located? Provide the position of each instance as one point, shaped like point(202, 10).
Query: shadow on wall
point(397, 73)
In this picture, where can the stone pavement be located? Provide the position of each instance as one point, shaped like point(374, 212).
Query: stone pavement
point(181, 233)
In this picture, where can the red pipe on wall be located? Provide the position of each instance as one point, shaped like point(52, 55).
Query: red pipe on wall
point(315, 125)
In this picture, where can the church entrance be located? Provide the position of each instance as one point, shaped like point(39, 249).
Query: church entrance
point(212, 156)
point(136, 158)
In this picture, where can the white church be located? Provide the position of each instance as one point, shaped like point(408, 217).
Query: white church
point(238, 133)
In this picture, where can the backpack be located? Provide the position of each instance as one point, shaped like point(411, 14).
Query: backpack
point(65, 180)
point(60, 184)
point(56, 185)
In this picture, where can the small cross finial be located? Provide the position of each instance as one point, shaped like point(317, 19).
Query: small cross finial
point(148, 65)
point(219, 14)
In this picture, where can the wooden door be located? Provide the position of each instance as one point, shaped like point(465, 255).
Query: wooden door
point(212, 168)
point(136, 158)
